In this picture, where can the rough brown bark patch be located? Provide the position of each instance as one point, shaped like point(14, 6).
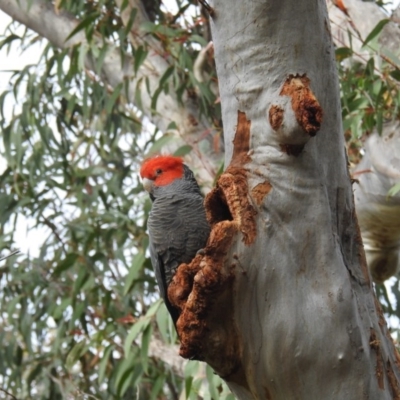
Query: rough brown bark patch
point(382, 324)
point(381, 318)
point(394, 385)
point(241, 141)
point(305, 105)
point(202, 290)
point(229, 212)
point(182, 283)
point(260, 191)
point(234, 185)
point(275, 117)
point(375, 344)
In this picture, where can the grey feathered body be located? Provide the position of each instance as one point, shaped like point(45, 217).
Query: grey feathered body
point(178, 228)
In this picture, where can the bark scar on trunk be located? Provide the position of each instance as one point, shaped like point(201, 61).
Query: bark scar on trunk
point(375, 344)
point(260, 191)
point(232, 188)
point(203, 289)
point(305, 105)
point(275, 116)
point(392, 381)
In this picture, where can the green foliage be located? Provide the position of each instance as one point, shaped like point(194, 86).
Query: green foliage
point(394, 190)
point(369, 97)
point(369, 89)
point(78, 314)
point(376, 31)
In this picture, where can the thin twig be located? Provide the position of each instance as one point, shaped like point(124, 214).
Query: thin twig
point(53, 228)
point(358, 36)
point(5, 391)
point(7, 256)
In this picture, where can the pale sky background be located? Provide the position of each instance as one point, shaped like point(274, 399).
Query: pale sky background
point(17, 59)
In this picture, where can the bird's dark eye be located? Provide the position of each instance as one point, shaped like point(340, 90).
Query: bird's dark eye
point(158, 171)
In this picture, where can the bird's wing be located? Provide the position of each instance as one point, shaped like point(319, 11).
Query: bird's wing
point(178, 229)
point(159, 271)
point(168, 230)
point(167, 242)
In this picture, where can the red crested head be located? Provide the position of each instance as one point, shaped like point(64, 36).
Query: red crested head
point(162, 170)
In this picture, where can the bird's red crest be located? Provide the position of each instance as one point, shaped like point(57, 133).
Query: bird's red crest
point(162, 169)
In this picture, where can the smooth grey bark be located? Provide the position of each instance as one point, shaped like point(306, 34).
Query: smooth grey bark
point(378, 213)
point(308, 323)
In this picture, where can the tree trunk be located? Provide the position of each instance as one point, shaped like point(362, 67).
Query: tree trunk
point(282, 305)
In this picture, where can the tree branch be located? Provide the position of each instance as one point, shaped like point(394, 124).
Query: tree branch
point(193, 128)
point(167, 354)
point(9, 255)
point(8, 394)
point(40, 16)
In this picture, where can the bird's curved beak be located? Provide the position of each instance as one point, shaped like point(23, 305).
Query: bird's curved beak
point(147, 184)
